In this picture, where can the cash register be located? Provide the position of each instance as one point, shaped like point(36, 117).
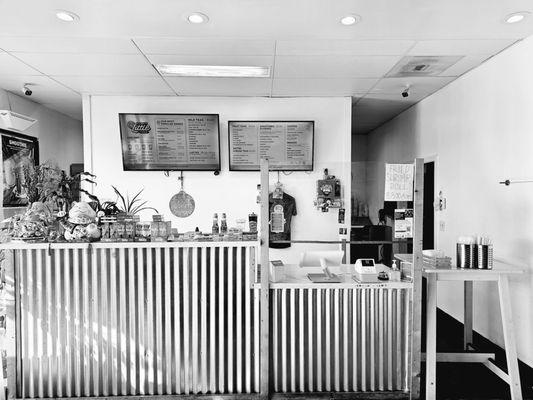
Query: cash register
point(365, 270)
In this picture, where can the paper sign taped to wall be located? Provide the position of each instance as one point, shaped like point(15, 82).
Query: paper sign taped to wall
point(399, 182)
point(403, 223)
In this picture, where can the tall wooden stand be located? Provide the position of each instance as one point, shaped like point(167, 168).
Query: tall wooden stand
point(265, 284)
point(416, 297)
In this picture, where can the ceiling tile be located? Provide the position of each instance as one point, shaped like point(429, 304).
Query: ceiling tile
point(343, 47)
point(322, 87)
point(89, 64)
point(465, 64)
point(458, 47)
point(418, 87)
point(202, 47)
point(253, 61)
point(42, 44)
point(9, 65)
point(39, 83)
point(137, 85)
point(44, 89)
point(65, 97)
point(220, 86)
point(270, 19)
point(333, 66)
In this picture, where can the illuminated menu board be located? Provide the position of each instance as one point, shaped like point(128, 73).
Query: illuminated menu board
point(161, 142)
point(288, 145)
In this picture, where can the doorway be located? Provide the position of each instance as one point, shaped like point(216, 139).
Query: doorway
point(428, 232)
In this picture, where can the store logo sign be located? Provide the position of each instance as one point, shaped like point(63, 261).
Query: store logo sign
point(142, 128)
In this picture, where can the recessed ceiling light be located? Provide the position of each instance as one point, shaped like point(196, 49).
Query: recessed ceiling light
point(67, 16)
point(218, 71)
point(516, 17)
point(197, 18)
point(350, 19)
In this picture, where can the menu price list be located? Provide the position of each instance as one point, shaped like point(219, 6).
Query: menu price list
point(287, 145)
point(174, 142)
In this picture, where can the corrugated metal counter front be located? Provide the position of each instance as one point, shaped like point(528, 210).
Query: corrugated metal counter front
point(340, 337)
point(132, 319)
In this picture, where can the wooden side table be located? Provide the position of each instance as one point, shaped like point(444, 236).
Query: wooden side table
point(468, 276)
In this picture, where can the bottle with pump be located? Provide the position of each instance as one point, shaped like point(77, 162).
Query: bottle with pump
point(223, 224)
point(395, 273)
point(215, 229)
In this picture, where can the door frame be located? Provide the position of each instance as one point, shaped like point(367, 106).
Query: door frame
point(436, 214)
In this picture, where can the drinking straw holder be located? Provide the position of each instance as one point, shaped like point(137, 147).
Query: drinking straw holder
point(466, 256)
point(485, 257)
point(475, 256)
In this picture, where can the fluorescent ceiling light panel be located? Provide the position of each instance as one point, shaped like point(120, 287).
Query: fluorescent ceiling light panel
point(217, 71)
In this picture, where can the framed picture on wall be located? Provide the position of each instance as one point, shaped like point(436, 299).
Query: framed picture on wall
point(19, 152)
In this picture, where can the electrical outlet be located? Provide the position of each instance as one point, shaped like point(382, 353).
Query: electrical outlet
point(442, 226)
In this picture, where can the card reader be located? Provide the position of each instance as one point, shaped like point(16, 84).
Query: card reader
point(365, 270)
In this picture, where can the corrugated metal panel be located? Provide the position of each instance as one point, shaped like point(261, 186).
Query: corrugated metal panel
point(341, 340)
point(137, 321)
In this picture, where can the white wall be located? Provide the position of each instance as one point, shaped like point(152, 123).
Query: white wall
point(481, 128)
point(231, 192)
point(60, 136)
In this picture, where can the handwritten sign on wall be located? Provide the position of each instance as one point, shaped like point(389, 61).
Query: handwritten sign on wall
point(399, 182)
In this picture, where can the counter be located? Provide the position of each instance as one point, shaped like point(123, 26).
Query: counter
point(136, 319)
point(341, 337)
point(131, 319)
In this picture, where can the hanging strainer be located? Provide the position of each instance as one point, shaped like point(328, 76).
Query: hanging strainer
point(181, 204)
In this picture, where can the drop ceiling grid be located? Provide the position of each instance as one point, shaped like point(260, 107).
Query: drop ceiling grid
point(49, 93)
point(472, 60)
point(299, 67)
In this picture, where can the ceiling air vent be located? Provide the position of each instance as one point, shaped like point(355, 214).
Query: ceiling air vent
point(13, 121)
point(422, 66)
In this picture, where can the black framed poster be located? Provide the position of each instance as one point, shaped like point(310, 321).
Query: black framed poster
point(288, 145)
point(19, 152)
point(170, 142)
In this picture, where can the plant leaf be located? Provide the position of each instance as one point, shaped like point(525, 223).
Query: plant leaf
point(135, 209)
point(136, 196)
point(147, 208)
point(120, 196)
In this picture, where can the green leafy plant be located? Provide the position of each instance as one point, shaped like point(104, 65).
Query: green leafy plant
point(41, 182)
point(45, 181)
point(131, 206)
point(68, 185)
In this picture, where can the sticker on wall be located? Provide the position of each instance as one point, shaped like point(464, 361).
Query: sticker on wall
point(403, 223)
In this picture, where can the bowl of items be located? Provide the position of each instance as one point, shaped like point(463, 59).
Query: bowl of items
point(80, 224)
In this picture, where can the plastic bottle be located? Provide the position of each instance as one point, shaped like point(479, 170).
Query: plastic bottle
point(215, 229)
point(395, 273)
point(223, 224)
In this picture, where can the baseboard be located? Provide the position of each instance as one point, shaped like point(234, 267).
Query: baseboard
point(450, 327)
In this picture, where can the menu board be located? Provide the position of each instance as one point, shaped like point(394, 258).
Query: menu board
point(288, 145)
point(166, 142)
